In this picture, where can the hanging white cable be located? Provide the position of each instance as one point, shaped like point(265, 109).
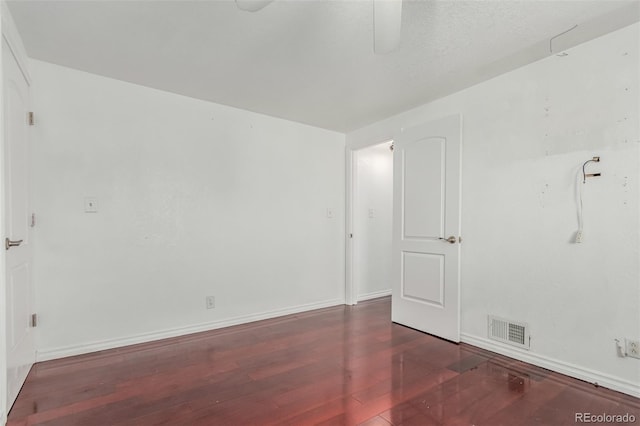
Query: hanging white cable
point(579, 187)
point(581, 180)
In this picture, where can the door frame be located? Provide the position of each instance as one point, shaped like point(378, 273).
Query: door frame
point(384, 132)
point(12, 37)
point(351, 292)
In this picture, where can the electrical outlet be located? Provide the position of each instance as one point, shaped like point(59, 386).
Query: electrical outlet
point(633, 348)
point(211, 302)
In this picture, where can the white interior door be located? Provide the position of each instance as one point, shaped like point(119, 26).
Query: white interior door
point(18, 248)
point(426, 214)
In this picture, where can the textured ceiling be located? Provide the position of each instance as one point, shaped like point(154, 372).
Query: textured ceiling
point(306, 61)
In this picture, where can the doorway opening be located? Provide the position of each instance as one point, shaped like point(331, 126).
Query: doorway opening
point(370, 218)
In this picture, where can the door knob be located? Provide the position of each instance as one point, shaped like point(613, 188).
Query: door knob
point(9, 243)
point(450, 240)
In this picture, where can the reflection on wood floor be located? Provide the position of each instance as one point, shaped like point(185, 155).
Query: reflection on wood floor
point(334, 366)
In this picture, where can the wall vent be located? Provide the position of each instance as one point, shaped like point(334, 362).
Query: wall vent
point(507, 331)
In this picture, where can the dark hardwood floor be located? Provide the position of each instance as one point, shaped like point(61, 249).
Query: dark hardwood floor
point(334, 366)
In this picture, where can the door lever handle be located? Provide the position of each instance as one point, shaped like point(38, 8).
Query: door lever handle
point(9, 243)
point(450, 240)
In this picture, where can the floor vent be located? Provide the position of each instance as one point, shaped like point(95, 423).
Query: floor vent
point(511, 332)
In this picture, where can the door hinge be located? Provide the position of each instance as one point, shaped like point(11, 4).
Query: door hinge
point(34, 320)
point(30, 118)
point(33, 220)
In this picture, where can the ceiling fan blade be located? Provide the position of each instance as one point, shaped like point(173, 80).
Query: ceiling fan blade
point(387, 24)
point(252, 5)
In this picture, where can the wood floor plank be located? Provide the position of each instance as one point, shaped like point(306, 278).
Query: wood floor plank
point(346, 365)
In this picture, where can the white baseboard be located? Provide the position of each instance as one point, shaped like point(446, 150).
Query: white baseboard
point(3, 418)
point(588, 375)
point(373, 295)
point(72, 350)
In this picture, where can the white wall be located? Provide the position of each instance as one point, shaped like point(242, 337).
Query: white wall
point(194, 199)
point(525, 134)
point(372, 220)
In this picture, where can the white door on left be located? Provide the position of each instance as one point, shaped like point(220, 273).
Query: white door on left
point(18, 247)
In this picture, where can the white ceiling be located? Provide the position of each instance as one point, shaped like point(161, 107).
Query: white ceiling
point(306, 61)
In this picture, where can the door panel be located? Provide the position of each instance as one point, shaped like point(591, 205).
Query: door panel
point(18, 259)
point(425, 293)
point(423, 278)
point(423, 162)
point(18, 306)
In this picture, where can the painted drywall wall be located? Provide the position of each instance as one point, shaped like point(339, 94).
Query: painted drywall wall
point(194, 199)
point(372, 221)
point(525, 136)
